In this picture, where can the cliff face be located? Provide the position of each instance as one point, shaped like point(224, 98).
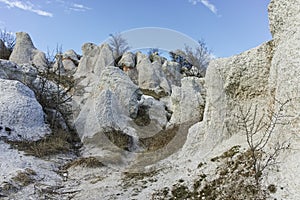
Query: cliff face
point(266, 77)
point(263, 76)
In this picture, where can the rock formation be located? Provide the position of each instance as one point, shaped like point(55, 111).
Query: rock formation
point(21, 116)
point(188, 101)
point(151, 76)
point(24, 52)
point(134, 122)
point(94, 60)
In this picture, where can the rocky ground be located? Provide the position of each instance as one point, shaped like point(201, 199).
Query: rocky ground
point(82, 128)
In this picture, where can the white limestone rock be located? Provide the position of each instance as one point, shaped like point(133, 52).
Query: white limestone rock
point(240, 80)
point(172, 72)
point(128, 60)
point(112, 104)
point(151, 76)
point(24, 52)
point(21, 116)
point(94, 60)
point(188, 101)
point(23, 73)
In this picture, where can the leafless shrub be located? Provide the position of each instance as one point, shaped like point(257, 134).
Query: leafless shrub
point(7, 43)
point(8, 38)
point(194, 61)
point(259, 131)
point(119, 45)
point(54, 91)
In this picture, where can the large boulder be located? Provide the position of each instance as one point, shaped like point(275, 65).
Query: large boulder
point(24, 52)
point(127, 63)
point(107, 113)
point(127, 60)
point(172, 72)
point(151, 76)
point(21, 116)
point(94, 60)
point(188, 101)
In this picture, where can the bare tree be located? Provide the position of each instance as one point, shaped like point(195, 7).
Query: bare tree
point(119, 45)
point(8, 42)
point(197, 58)
point(259, 131)
point(54, 89)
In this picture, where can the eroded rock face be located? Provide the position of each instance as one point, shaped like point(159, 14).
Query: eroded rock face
point(240, 80)
point(25, 53)
point(21, 116)
point(284, 79)
point(265, 76)
point(283, 17)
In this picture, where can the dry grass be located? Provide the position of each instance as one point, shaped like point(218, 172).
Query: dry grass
point(233, 179)
point(89, 162)
point(159, 140)
point(152, 93)
point(120, 139)
point(24, 178)
point(143, 118)
point(56, 143)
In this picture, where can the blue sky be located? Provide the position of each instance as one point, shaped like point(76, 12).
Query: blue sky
point(227, 26)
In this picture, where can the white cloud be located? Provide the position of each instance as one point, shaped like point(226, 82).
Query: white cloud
point(27, 7)
point(207, 4)
point(79, 7)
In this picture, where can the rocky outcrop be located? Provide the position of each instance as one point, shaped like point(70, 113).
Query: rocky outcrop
point(257, 76)
point(24, 52)
point(21, 116)
point(112, 104)
point(94, 60)
point(151, 76)
point(240, 80)
point(263, 77)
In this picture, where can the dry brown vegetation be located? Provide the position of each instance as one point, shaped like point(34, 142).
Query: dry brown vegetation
point(89, 162)
point(55, 143)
